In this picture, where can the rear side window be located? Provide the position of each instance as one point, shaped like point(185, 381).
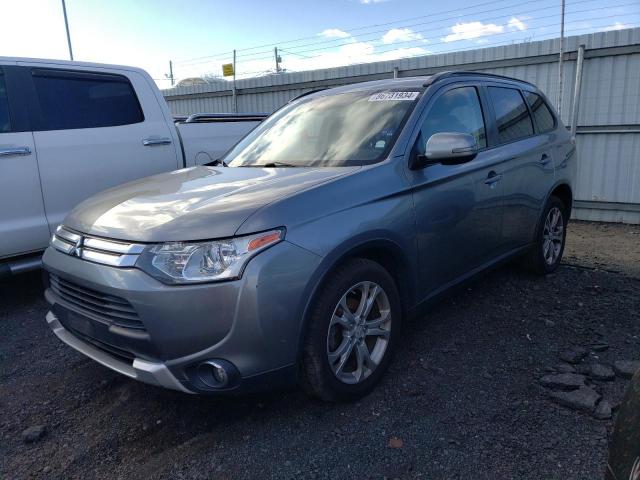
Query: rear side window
point(5, 119)
point(541, 112)
point(70, 100)
point(512, 116)
point(456, 110)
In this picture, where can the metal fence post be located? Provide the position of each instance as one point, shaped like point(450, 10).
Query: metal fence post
point(235, 94)
point(576, 91)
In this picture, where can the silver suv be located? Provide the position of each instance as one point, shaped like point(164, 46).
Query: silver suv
point(297, 256)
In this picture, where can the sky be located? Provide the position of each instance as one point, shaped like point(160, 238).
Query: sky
point(198, 36)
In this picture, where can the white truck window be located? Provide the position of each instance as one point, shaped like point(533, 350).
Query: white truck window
point(5, 119)
point(70, 100)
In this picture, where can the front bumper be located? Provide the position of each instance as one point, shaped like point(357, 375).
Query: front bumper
point(253, 323)
point(153, 373)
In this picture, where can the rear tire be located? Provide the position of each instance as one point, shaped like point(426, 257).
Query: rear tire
point(353, 326)
point(546, 253)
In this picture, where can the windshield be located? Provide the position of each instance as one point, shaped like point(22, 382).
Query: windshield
point(353, 128)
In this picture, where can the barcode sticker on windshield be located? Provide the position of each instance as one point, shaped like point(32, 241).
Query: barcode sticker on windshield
point(393, 96)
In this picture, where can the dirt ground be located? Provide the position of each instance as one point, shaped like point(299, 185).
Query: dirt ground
point(610, 246)
point(462, 399)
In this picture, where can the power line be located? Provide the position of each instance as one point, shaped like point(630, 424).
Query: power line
point(431, 30)
point(393, 46)
point(376, 32)
point(466, 9)
point(474, 47)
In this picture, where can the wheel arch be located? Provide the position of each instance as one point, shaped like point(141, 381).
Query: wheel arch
point(384, 251)
point(564, 193)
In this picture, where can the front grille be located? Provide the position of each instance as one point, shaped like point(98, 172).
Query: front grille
point(114, 253)
point(105, 308)
point(120, 354)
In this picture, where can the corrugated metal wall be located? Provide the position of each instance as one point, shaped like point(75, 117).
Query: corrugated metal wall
point(608, 138)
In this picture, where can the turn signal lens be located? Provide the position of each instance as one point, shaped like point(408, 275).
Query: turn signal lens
point(264, 240)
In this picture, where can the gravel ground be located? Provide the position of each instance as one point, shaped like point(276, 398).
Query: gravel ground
point(462, 399)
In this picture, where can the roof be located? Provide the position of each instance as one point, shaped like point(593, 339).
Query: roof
point(67, 63)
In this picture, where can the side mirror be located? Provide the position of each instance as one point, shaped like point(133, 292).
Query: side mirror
point(447, 148)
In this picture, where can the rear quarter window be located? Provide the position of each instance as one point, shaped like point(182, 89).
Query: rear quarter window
point(71, 100)
point(5, 119)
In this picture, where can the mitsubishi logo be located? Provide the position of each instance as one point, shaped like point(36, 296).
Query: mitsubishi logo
point(77, 249)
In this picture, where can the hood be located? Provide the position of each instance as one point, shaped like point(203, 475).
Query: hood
point(192, 204)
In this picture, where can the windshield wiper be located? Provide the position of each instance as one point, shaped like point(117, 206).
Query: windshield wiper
point(275, 164)
point(215, 163)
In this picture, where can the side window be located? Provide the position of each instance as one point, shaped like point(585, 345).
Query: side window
point(512, 117)
point(456, 110)
point(541, 112)
point(71, 100)
point(5, 119)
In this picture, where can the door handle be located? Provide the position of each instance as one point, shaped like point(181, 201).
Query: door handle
point(544, 159)
point(150, 141)
point(10, 151)
point(493, 178)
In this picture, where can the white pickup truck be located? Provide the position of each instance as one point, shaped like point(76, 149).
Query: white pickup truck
point(71, 129)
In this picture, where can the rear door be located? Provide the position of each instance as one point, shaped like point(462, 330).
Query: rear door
point(95, 130)
point(23, 226)
point(528, 169)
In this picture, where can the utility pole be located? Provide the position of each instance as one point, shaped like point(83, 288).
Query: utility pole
point(275, 52)
point(560, 60)
point(235, 95)
point(66, 26)
point(170, 76)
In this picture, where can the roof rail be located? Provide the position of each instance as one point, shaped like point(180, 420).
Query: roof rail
point(315, 90)
point(455, 73)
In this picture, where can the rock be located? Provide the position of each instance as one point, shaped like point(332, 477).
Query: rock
point(599, 347)
point(565, 368)
point(583, 399)
point(626, 368)
point(395, 442)
point(34, 433)
point(573, 355)
point(583, 369)
point(563, 381)
point(602, 411)
point(598, 371)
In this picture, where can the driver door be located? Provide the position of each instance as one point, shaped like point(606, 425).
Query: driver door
point(458, 208)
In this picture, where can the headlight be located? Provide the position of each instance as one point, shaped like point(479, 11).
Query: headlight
point(194, 262)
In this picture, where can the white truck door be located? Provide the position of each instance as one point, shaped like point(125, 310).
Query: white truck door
point(95, 130)
point(208, 141)
point(23, 226)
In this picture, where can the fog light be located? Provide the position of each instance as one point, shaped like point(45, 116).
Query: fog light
point(213, 374)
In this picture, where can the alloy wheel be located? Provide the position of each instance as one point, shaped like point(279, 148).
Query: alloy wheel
point(552, 236)
point(359, 332)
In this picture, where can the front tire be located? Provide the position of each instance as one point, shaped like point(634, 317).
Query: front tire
point(546, 253)
point(352, 330)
